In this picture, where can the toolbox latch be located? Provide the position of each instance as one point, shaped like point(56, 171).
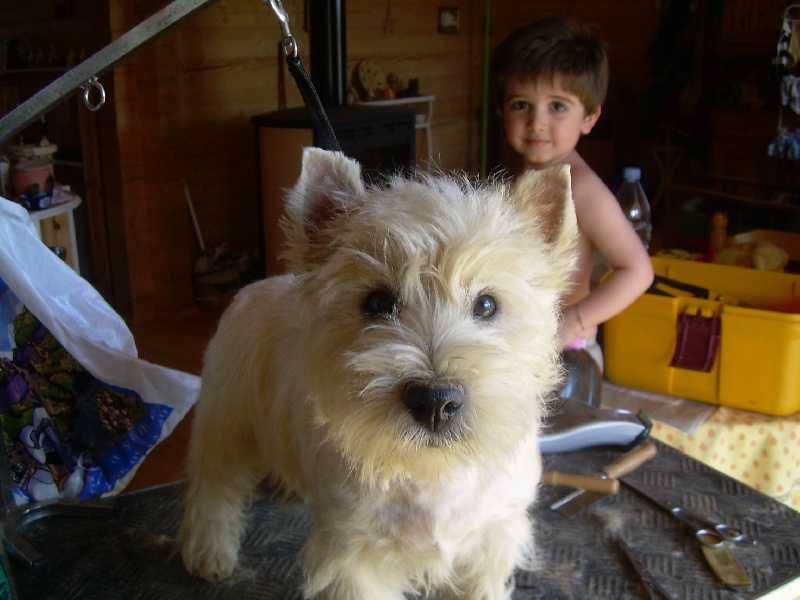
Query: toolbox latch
point(697, 341)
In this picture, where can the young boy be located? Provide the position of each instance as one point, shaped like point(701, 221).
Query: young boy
point(551, 79)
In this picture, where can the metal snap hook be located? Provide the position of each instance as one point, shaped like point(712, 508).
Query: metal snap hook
point(280, 12)
point(289, 43)
point(87, 88)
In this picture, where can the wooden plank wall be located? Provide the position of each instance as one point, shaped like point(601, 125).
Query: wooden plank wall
point(207, 78)
point(183, 118)
point(181, 114)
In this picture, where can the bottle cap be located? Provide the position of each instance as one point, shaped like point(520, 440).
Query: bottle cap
point(632, 173)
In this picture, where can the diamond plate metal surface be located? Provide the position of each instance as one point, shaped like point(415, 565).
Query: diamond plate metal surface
point(135, 556)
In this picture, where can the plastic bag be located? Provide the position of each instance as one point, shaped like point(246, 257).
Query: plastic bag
point(79, 409)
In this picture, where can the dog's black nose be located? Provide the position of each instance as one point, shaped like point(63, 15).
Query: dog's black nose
point(433, 403)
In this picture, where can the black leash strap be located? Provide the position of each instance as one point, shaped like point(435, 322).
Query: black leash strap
point(326, 138)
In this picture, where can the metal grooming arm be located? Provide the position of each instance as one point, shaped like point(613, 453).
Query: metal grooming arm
point(84, 76)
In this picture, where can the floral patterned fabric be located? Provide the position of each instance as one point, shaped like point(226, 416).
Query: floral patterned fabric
point(66, 433)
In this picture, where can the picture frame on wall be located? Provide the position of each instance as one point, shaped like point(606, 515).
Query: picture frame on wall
point(448, 19)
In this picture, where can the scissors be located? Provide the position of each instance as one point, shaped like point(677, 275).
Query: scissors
point(708, 532)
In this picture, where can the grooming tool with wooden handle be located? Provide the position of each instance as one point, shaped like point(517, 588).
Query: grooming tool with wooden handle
point(575, 502)
point(582, 482)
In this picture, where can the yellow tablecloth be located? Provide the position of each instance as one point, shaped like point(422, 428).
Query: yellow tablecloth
point(761, 451)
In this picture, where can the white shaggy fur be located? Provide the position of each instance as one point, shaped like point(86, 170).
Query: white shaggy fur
point(308, 379)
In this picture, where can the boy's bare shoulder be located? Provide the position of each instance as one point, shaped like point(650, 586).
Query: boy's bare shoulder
point(587, 187)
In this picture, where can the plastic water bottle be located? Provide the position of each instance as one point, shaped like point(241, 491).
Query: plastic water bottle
point(634, 203)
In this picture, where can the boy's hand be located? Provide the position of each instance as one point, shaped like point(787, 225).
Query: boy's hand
point(573, 332)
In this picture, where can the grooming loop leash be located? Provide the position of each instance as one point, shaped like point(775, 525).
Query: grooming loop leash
point(325, 134)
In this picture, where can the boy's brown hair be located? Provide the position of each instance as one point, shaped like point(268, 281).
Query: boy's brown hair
point(552, 48)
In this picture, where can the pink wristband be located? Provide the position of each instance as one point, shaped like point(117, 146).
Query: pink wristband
point(579, 343)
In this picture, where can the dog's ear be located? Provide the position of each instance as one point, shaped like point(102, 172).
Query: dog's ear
point(328, 180)
point(547, 195)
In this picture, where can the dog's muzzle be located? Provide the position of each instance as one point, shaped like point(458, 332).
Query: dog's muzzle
point(433, 404)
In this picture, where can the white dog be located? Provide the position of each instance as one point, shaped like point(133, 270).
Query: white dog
point(395, 380)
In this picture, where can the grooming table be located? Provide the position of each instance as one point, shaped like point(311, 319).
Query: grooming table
point(135, 555)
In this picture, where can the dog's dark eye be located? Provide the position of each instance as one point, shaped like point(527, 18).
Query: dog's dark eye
point(485, 307)
point(380, 303)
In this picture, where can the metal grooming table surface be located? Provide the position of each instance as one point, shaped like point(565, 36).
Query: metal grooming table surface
point(135, 556)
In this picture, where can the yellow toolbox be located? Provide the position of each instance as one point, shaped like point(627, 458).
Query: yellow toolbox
point(713, 333)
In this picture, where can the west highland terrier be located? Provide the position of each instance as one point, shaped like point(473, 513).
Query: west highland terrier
point(395, 380)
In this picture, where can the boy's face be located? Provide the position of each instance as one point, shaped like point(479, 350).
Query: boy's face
point(543, 122)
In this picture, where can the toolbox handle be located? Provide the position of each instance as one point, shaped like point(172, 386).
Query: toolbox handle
point(697, 343)
point(659, 280)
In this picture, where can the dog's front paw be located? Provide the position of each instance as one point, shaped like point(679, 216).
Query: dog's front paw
point(204, 557)
point(206, 551)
